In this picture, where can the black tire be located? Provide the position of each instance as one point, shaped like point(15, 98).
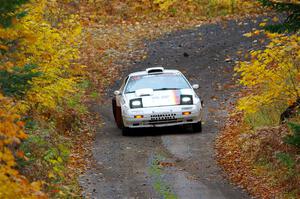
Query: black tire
point(125, 131)
point(114, 104)
point(117, 114)
point(197, 127)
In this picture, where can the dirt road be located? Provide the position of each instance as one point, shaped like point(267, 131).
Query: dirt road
point(173, 162)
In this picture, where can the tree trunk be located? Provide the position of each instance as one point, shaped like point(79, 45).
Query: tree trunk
point(290, 112)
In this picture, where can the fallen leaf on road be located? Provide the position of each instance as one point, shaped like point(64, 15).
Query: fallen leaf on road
point(214, 98)
point(166, 164)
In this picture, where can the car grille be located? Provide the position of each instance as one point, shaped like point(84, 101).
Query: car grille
point(163, 117)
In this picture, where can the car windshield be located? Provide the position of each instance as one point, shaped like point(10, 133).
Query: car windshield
point(163, 81)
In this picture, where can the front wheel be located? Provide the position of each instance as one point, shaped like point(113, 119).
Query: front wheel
point(117, 114)
point(197, 127)
point(125, 131)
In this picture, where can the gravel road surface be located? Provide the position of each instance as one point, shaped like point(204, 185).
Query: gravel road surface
point(173, 162)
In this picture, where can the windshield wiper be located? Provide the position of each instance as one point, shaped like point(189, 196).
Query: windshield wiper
point(158, 89)
point(163, 89)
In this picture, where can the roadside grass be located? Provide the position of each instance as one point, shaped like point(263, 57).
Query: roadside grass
point(266, 116)
point(281, 166)
point(46, 155)
point(159, 184)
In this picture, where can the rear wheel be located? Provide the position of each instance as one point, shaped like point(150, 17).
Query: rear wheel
point(197, 127)
point(117, 113)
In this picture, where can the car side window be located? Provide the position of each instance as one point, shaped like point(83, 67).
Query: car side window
point(124, 83)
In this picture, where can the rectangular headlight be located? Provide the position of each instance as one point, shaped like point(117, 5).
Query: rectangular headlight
point(136, 103)
point(186, 99)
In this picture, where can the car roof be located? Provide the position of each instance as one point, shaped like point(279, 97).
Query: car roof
point(145, 72)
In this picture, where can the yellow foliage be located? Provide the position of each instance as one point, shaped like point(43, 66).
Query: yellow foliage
point(164, 4)
point(12, 184)
point(272, 75)
point(53, 49)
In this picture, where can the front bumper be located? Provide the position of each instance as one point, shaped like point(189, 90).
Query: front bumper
point(162, 116)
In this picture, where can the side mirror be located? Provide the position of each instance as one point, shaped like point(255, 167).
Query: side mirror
point(196, 86)
point(117, 92)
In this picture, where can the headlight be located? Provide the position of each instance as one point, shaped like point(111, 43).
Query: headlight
point(186, 99)
point(136, 103)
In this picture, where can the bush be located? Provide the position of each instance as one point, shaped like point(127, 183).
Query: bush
point(6, 10)
point(295, 138)
point(16, 82)
point(292, 23)
point(287, 160)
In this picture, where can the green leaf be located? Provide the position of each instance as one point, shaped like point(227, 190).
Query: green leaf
point(294, 139)
point(17, 82)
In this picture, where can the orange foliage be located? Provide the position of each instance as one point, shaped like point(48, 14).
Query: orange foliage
point(249, 159)
point(12, 184)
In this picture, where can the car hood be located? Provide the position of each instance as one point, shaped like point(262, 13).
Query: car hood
point(152, 98)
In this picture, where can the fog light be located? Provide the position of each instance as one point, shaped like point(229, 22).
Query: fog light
point(138, 116)
point(186, 113)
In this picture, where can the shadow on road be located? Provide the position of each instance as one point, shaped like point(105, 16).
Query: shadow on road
point(161, 131)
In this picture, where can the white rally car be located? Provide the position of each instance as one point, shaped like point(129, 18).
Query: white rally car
point(157, 98)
